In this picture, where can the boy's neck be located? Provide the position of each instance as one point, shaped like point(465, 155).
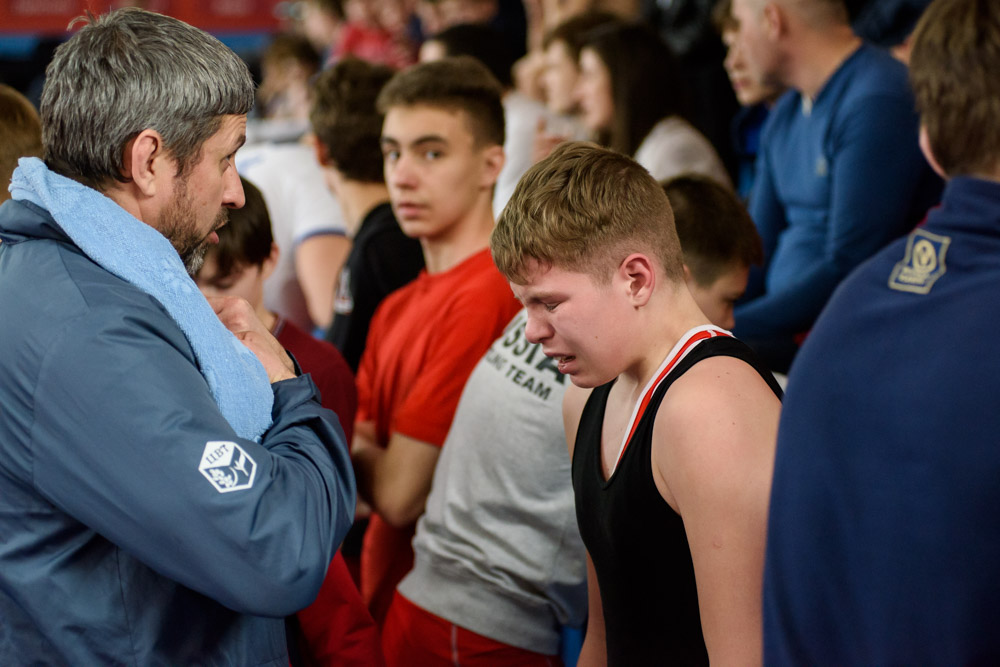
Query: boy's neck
point(462, 240)
point(357, 199)
point(663, 323)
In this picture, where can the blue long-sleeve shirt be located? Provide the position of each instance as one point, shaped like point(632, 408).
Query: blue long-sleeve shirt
point(837, 179)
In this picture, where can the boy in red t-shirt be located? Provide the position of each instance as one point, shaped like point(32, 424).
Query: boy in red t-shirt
point(337, 626)
point(442, 142)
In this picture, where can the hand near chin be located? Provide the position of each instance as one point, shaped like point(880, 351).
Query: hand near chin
point(239, 317)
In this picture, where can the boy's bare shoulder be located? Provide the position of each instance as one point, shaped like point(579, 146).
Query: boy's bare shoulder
point(716, 422)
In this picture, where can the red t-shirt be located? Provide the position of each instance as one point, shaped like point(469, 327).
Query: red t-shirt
point(336, 628)
point(424, 341)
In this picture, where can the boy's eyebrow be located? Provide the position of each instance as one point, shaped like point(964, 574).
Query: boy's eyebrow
point(419, 141)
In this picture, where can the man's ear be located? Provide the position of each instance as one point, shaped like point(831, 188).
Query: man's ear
point(493, 161)
point(271, 261)
point(925, 148)
point(147, 163)
point(638, 277)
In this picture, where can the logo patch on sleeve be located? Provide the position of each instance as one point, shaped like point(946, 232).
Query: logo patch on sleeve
point(923, 263)
point(227, 466)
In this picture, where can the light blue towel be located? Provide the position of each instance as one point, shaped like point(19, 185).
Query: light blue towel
point(140, 255)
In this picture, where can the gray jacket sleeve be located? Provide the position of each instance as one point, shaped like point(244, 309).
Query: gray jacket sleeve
point(128, 440)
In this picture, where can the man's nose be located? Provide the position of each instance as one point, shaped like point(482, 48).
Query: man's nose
point(233, 196)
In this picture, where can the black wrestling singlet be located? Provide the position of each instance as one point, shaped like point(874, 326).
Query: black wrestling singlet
point(635, 539)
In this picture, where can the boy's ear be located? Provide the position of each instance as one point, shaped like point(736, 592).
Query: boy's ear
point(925, 148)
point(320, 149)
point(638, 277)
point(271, 261)
point(493, 160)
point(688, 277)
point(147, 164)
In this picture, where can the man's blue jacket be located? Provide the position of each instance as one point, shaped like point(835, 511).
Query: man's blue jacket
point(135, 526)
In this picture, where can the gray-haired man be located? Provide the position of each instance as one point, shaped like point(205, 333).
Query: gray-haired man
point(168, 490)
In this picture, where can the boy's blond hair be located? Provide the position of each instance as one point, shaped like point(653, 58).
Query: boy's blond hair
point(585, 208)
point(953, 70)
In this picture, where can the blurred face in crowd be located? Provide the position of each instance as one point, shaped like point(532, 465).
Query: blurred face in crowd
point(593, 92)
point(718, 299)
point(431, 50)
point(749, 90)
point(752, 54)
point(559, 78)
point(246, 282)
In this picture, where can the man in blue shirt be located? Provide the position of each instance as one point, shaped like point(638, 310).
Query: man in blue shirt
point(840, 173)
point(884, 528)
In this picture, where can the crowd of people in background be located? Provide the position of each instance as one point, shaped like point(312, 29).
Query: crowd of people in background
point(472, 338)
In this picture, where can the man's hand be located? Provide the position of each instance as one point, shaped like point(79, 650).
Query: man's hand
point(238, 316)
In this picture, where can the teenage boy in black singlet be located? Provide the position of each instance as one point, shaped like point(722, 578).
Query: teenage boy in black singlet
point(671, 486)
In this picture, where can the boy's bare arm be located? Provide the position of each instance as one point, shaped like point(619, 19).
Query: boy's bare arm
point(396, 479)
point(713, 455)
point(318, 260)
point(594, 652)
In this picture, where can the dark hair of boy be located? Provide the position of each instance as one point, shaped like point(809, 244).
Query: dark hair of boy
point(287, 46)
point(722, 16)
point(20, 134)
point(572, 32)
point(714, 227)
point(456, 83)
point(955, 86)
point(334, 8)
point(345, 120)
point(485, 44)
point(646, 85)
point(247, 239)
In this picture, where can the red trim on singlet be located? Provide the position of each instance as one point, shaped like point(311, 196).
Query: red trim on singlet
point(647, 397)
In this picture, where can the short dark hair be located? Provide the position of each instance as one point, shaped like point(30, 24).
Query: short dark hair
point(345, 118)
point(334, 8)
point(482, 42)
point(722, 17)
point(287, 46)
point(456, 83)
point(715, 230)
point(571, 32)
point(953, 70)
point(246, 240)
point(646, 85)
point(20, 134)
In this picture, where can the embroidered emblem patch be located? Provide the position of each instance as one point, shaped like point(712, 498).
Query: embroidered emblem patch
point(822, 167)
point(227, 466)
point(923, 263)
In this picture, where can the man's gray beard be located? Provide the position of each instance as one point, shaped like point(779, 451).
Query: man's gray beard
point(194, 259)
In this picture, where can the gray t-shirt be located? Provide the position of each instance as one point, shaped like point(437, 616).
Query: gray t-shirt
point(498, 550)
